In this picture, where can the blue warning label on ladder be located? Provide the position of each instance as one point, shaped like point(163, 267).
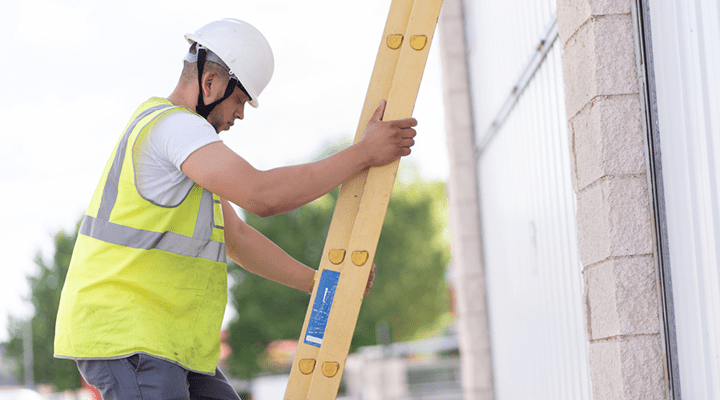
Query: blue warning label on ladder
point(321, 308)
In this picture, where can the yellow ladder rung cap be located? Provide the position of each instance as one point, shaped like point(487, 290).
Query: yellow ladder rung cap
point(307, 366)
point(337, 256)
point(330, 368)
point(394, 41)
point(418, 42)
point(360, 257)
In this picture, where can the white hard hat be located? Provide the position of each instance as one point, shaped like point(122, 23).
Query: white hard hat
point(243, 49)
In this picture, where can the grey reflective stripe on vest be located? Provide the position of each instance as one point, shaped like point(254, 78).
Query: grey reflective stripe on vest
point(204, 224)
point(110, 191)
point(100, 228)
point(141, 239)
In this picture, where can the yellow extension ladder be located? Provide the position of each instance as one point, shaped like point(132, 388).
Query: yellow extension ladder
point(360, 210)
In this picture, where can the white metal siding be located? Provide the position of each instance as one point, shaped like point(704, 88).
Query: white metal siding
point(686, 50)
point(502, 36)
point(533, 271)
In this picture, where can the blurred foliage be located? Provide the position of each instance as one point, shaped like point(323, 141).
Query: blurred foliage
point(409, 295)
point(46, 285)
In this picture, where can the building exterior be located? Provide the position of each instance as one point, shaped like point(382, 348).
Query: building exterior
point(584, 140)
point(420, 370)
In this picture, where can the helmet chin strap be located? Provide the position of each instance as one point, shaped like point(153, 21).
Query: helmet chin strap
point(201, 108)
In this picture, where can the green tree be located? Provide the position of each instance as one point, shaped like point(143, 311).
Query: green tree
point(409, 293)
point(46, 285)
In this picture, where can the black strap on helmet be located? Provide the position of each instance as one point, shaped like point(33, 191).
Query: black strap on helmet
point(201, 108)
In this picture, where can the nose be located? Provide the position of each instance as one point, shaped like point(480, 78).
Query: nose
point(240, 111)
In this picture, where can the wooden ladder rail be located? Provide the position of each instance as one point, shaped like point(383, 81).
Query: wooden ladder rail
point(360, 210)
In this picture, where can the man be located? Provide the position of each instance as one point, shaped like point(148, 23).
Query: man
point(146, 290)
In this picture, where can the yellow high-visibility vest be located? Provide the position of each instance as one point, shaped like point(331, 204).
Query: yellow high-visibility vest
point(145, 278)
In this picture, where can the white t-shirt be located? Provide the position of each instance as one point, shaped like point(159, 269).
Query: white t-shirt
point(158, 155)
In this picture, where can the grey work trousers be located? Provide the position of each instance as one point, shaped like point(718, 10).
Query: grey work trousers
point(143, 377)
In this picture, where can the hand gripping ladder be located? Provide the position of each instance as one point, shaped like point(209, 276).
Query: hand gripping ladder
point(360, 210)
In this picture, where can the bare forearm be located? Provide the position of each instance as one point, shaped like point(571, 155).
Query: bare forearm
point(259, 255)
point(218, 169)
point(275, 191)
point(288, 188)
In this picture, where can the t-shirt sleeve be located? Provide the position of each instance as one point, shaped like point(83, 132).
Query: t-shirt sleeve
point(158, 156)
point(180, 134)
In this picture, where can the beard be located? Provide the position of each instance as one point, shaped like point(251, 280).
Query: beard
point(214, 119)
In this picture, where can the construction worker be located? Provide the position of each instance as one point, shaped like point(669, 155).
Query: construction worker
point(146, 291)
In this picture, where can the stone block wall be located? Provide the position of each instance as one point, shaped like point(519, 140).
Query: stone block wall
point(614, 220)
point(615, 236)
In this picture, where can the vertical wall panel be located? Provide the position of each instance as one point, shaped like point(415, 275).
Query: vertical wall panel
point(685, 39)
point(527, 205)
point(502, 37)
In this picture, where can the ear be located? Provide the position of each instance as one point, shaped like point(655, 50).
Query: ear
point(210, 86)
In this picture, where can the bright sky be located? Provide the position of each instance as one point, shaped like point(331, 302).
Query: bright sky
point(73, 71)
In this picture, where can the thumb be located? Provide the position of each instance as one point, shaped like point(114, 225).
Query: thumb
point(380, 111)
